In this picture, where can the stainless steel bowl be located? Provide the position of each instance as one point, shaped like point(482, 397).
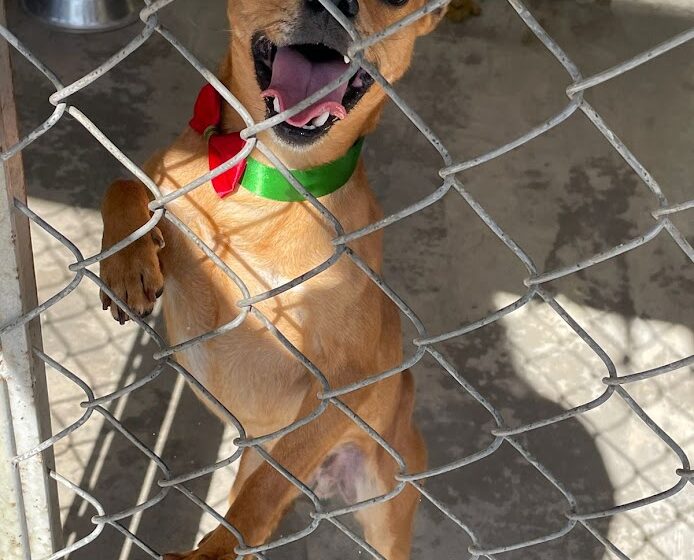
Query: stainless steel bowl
point(85, 15)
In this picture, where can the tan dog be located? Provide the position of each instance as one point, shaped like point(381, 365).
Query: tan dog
point(339, 319)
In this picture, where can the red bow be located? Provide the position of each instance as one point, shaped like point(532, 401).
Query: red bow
point(207, 117)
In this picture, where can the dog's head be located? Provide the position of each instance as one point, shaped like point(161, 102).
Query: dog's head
point(285, 50)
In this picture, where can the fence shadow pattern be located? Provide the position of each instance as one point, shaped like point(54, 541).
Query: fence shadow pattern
point(615, 386)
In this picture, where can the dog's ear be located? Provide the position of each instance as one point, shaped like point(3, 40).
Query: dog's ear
point(429, 22)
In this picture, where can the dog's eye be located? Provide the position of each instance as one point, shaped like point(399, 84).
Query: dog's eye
point(397, 3)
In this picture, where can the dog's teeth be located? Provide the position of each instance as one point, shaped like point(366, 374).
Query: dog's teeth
point(308, 127)
point(347, 60)
point(276, 105)
point(321, 120)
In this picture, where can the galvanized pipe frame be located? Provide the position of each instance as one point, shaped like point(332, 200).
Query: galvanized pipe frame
point(29, 516)
point(424, 342)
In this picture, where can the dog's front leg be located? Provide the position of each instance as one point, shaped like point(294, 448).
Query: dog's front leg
point(133, 273)
point(267, 494)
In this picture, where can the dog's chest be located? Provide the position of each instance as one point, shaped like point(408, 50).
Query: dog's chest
point(270, 278)
point(246, 369)
point(251, 369)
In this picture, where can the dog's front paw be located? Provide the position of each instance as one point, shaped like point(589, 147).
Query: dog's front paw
point(201, 554)
point(197, 555)
point(134, 275)
point(216, 545)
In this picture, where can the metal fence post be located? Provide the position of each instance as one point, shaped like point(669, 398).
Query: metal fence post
point(29, 516)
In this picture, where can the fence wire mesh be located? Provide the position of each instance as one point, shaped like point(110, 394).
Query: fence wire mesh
point(615, 386)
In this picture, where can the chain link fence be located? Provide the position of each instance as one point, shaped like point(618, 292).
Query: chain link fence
point(17, 374)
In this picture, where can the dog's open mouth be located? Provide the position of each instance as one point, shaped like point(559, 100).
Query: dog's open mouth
point(289, 74)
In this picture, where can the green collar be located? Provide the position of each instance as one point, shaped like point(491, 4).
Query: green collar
point(268, 182)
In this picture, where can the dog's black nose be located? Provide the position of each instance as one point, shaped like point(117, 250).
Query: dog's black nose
point(348, 7)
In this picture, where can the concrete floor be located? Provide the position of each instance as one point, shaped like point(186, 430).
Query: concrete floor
point(563, 197)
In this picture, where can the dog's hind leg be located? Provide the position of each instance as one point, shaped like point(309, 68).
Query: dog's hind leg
point(250, 461)
point(388, 526)
point(267, 494)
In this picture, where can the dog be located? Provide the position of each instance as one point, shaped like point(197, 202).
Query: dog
point(280, 51)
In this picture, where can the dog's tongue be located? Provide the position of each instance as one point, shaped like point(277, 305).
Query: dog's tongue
point(295, 77)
